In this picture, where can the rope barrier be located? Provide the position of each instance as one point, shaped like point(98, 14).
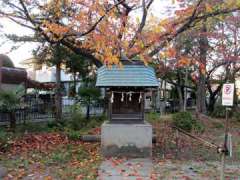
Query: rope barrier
point(209, 144)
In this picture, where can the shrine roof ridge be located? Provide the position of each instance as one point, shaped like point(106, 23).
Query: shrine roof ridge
point(128, 76)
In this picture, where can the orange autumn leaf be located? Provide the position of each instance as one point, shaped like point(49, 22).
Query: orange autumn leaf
point(171, 52)
point(48, 178)
point(184, 61)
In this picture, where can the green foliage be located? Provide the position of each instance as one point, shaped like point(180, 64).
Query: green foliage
point(89, 94)
point(5, 138)
point(236, 115)
point(94, 123)
point(76, 63)
point(56, 125)
point(77, 121)
point(10, 100)
point(73, 135)
point(153, 117)
point(102, 118)
point(198, 127)
point(185, 121)
point(219, 112)
point(76, 108)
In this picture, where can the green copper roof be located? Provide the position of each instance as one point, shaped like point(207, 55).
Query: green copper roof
point(129, 75)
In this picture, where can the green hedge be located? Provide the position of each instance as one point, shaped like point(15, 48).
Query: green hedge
point(185, 121)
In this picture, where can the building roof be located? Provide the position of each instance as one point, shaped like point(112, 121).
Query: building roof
point(13, 75)
point(128, 76)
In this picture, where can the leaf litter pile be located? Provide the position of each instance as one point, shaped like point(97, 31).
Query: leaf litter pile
point(50, 156)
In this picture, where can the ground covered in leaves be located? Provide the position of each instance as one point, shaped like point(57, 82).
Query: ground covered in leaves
point(51, 156)
point(189, 158)
point(57, 155)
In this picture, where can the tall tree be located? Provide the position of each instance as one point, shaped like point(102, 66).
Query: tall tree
point(54, 55)
point(78, 66)
point(82, 25)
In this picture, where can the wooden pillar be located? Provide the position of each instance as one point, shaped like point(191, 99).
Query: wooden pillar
point(109, 106)
point(142, 106)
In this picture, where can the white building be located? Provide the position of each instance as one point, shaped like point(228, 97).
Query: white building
point(45, 74)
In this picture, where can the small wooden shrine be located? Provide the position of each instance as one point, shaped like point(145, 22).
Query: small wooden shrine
point(125, 89)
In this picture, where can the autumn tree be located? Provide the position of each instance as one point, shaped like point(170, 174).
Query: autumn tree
point(203, 51)
point(82, 25)
point(226, 48)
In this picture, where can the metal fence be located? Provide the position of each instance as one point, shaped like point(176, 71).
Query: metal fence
point(44, 109)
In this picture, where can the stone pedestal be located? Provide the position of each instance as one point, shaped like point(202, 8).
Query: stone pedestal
point(126, 140)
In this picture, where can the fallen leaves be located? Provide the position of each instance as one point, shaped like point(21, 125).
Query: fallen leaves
point(47, 154)
point(38, 142)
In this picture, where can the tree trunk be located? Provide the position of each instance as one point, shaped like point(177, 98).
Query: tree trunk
point(185, 91)
point(201, 95)
point(74, 84)
point(12, 121)
point(201, 91)
point(211, 104)
point(162, 98)
point(180, 90)
point(181, 101)
point(58, 96)
point(88, 112)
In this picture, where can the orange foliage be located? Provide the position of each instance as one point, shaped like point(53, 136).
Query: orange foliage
point(106, 28)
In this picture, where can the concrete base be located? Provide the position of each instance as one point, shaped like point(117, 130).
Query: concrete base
point(128, 140)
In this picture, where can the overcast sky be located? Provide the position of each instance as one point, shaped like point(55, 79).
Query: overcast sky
point(159, 8)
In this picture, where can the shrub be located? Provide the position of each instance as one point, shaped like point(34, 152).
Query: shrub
point(73, 135)
point(220, 112)
point(93, 123)
point(153, 117)
point(236, 115)
point(102, 118)
point(56, 125)
point(185, 121)
point(198, 127)
point(77, 122)
point(4, 140)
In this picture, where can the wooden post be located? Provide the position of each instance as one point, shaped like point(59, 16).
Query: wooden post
point(143, 106)
point(177, 144)
point(110, 106)
point(223, 154)
point(222, 176)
